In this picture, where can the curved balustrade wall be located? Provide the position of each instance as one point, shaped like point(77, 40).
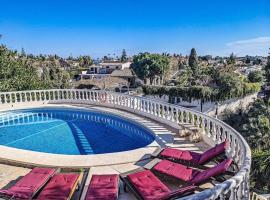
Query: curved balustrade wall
point(213, 130)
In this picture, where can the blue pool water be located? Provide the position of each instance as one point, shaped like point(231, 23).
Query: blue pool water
point(70, 131)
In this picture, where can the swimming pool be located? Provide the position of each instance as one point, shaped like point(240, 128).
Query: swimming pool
point(71, 131)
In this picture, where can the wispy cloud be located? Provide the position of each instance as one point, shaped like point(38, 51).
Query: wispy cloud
point(251, 42)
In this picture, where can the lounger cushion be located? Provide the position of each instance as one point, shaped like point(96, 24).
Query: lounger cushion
point(213, 152)
point(149, 186)
point(59, 187)
point(217, 170)
point(29, 184)
point(181, 155)
point(103, 187)
point(175, 170)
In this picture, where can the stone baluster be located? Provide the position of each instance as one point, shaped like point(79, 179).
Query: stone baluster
point(208, 128)
point(25, 97)
point(198, 121)
point(14, 99)
point(20, 96)
point(172, 118)
point(7, 100)
point(35, 95)
point(91, 96)
point(85, 95)
point(233, 146)
point(177, 115)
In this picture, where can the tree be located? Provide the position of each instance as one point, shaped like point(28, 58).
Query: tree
point(23, 52)
point(16, 74)
point(255, 76)
point(267, 69)
point(267, 77)
point(231, 60)
point(21, 72)
point(247, 60)
point(193, 62)
point(147, 65)
point(253, 123)
point(123, 56)
point(229, 85)
point(85, 61)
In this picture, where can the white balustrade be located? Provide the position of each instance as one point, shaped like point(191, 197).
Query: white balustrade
point(213, 130)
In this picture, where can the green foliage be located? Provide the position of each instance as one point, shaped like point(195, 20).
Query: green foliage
point(251, 88)
point(85, 61)
point(123, 56)
point(260, 173)
point(54, 77)
point(231, 60)
point(184, 79)
point(147, 65)
point(186, 93)
point(18, 72)
point(254, 124)
point(193, 62)
point(204, 93)
point(267, 69)
point(229, 86)
point(255, 76)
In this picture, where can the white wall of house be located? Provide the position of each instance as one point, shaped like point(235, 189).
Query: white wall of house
point(116, 65)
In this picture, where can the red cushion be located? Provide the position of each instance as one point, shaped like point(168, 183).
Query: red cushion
point(59, 187)
point(103, 187)
point(181, 155)
point(213, 152)
point(175, 170)
point(30, 183)
point(149, 186)
point(217, 170)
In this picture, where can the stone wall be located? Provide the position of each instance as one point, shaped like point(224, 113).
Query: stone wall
point(210, 107)
point(233, 105)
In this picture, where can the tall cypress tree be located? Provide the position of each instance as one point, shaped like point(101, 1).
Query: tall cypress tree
point(193, 61)
point(124, 56)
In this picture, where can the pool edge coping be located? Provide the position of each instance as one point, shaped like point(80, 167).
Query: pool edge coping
point(25, 157)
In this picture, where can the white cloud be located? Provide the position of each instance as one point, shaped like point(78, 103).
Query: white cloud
point(253, 46)
point(251, 42)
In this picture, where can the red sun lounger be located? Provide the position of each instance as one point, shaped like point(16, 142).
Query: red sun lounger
point(189, 175)
point(190, 157)
point(103, 187)
point(30, 184)
point(60, 187)
point(146, 186)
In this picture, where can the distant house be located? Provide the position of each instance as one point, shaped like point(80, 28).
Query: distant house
point(247, 69)
point(94, 69)
point(103, 69)
point(109, 67)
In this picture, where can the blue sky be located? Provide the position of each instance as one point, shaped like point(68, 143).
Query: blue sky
point(100, 27)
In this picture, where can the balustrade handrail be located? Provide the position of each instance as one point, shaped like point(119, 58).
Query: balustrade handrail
point(214, 130)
